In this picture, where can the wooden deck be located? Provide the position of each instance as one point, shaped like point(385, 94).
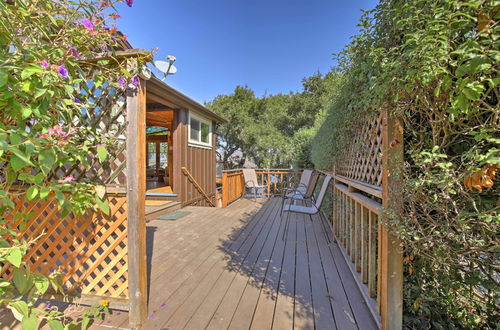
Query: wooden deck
point(230, 268)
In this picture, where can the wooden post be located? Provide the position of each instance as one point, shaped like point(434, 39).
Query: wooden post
point(136, 193)
point(224, 189)
point(391, 270)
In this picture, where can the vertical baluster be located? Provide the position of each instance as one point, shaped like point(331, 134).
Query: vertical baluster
point(342, 218)
point(365, 225)
point(357, 234)
point(352, 224)
point(275, 179)
point(372, 255)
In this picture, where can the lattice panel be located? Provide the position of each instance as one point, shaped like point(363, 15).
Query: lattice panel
point(89, 250)
point(363, 161)
point(106, 123)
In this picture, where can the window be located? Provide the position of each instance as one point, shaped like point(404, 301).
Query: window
point(200, 131)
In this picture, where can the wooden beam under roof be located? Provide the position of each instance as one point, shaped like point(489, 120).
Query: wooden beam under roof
point(159, 118)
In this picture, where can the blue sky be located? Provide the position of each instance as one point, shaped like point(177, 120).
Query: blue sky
point(268, 45)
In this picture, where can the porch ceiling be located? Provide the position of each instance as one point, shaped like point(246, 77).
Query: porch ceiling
point(160, 118)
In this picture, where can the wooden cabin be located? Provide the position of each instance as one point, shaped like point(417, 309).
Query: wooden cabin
point(180, 144)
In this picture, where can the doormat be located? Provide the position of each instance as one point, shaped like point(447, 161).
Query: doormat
point(173, 215)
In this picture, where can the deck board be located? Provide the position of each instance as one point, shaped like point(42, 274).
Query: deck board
point(230, 268)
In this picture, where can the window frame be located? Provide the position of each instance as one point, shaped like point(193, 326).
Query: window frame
point(201, 120)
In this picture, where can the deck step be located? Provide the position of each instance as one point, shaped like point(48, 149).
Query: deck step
point(154, 211)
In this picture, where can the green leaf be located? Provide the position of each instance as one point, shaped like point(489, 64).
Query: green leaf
point(17, 163)
point(102, 153)
point(4, 284)
point(3, 78)
point(31, 193)
point(41, 283)
point(103, 205)
point(47, 159)
point(26, 112)
point(85, 323)
point(44, 192)
point(56, 325)
point(21, 155)
point(39, 92)
point(22, 281)
point(15, 257)
point(20, 307)
point(30, 323)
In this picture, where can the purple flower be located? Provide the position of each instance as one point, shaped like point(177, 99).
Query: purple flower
point(135, 81)
point(163, 305)
point(121, 81)
point(44, 64)
point(73, 51)
point(77, 100)
point(151, 317)
point(129, 2)
point(87, 24)
point(62, 71)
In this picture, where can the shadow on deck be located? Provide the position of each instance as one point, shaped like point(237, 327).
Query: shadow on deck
point(230, 268)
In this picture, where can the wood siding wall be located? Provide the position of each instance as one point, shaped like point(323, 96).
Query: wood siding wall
point(199, 161)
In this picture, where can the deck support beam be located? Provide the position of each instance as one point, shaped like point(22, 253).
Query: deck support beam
point(136, 194)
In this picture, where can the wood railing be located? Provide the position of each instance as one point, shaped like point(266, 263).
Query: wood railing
point(233, 183)
point(356, 210)
point(366, 193)
point(197, 185)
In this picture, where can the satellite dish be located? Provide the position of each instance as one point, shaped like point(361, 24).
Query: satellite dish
point(167, 68)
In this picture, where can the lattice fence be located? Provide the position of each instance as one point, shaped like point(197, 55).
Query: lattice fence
point(90, 251)
point(107, 119)
point(363, 160)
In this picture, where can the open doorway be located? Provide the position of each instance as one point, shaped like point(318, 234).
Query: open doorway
point(157, 160)
point(159, 152)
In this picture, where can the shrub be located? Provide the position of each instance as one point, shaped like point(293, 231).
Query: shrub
point(435, 65)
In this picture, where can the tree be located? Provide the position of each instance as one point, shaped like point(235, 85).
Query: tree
point(239, 109)
point(273, 130)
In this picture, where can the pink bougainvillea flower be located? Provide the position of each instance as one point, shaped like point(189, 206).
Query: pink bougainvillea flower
point(121, 81)
point(87, 24)
point(67, 179)
point(55, 130)
point(44, 64)
point(135, 81)
point(129, 2)
point(124, 37)
point(114, 16)
point(44, 136)
point(62, 71)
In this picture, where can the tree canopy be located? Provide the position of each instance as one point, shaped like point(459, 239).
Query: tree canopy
point(272, 130)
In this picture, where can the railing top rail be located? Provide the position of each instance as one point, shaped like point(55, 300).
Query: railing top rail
point(360, 185)
point(266, 169)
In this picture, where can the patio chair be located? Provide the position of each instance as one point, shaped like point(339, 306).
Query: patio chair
point(251, 181)
point(302, 190)
point(304, 209)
